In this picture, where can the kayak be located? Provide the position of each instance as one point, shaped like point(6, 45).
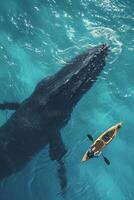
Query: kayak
point(102, 141)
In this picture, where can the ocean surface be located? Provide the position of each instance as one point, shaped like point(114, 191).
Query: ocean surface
point(37, 37)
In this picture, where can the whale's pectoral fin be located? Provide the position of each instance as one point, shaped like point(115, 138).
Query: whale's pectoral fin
point(62, 176)
point(57, 150)
point(9, 106)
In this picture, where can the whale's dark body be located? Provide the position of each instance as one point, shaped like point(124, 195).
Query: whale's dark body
point(39, 119)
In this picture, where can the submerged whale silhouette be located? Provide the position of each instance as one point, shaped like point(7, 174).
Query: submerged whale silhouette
point(38, 120)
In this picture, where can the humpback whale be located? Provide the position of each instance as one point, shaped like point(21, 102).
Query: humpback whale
point(37, 121)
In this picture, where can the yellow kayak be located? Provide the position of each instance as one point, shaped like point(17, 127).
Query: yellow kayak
point(102, 141)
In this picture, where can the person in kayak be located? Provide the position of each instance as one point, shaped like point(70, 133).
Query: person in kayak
point(91, 154)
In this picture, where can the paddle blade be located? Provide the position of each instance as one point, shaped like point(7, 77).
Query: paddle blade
point(106, 160)
point(90, 137)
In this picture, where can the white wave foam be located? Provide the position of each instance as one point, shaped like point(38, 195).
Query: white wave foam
point(110, 37)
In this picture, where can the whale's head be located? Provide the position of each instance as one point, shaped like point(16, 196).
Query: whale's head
point(59, 93)
point(77, 77)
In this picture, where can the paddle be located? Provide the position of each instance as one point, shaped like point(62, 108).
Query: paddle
point(90, 137)
point(106, 160)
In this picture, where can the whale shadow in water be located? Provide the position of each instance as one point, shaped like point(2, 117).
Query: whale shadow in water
point(38, 120)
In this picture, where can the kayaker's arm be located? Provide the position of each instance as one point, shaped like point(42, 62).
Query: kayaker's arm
point(98, 155)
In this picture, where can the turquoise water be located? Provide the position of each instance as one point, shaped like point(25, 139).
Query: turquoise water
point(37, 37)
